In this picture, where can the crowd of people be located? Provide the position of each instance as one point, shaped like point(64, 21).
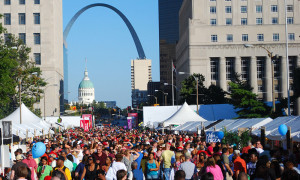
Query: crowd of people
point(112, 153)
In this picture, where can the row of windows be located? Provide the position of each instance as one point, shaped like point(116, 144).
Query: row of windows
point(86, 94)
point(259, 21)
point(22, 37)
point(22, 18)
point(21, 2)
point(245, 67)
point(244, 9)
point(260, 37)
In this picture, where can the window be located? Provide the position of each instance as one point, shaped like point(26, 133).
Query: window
point(214, 68)
point(274, 20)
point(243, 9)
point(260, 67)
point(290, 20)
point(214, 38)
point(36, 1)
point(259, 9)
point(37, 38)
point(228, 21)
point(274, 8)
point(37, 58)
point(275, 37)
point(22, 18)
point(213, 10)
point(36, 18)
point(21, 1)
point(7, 19)
point(276, 69)
point(227, 0)
point(22, 36)
point(245, 68)
point(244, 37)
point(291, 36)
point(7, 37)
point(212, 0)
point(227, 9)
point(259, 21)
point(229, 68)
point(6, 2)
point(260, 88)
point(213, 22)
point(260, 37)
point(289, 8)
point(292, 65)
point(229, 37)
point(244, 21)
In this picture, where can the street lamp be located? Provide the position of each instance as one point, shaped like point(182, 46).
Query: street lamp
point(20, 99)
point(173, 86)
point(273, 58)
point(165, 94)
point(154, 97)
point(45, 99)
point(197, 81)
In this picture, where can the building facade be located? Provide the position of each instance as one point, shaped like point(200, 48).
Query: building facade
point(86, 90)
point(141, 74)
point(39, 24)
point(221, 38)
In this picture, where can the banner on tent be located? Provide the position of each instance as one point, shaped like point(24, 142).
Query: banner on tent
point(88, 117)
point(7, 129)
point(212, 136)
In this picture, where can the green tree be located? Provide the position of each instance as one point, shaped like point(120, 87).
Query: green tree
point(211, 95)
point(17, 69)
point(246, 102)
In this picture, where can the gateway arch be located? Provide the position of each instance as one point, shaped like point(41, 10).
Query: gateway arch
point(139, 48)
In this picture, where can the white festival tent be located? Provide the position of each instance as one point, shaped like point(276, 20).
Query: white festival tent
point(30, 122)
point(183, 115)
point(272, 128)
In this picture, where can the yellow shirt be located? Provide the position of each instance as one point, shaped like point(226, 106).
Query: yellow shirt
point(167, 156)
point(67, 171)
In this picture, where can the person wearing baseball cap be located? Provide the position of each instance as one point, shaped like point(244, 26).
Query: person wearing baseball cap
point(31, 163)
point(19, 163)
point(239, 164)
point(61, 168)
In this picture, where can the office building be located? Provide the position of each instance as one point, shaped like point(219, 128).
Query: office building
point(86, 90)
point(39, 24)
point(221, 38)
point(140, 76)
point(168, 37)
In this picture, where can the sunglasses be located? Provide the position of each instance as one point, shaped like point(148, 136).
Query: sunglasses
point(90, 159)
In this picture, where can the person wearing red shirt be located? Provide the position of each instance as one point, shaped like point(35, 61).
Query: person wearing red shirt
point(100, 156)
point(30, 162)
point(247, 148)
point(239, 164)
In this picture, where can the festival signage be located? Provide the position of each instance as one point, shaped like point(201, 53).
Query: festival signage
point(85, 125)
point(212, 136)
point(134, 119)
point(88, 117)
point(129, 122)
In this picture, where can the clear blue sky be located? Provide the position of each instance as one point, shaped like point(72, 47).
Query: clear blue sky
point(101, 36)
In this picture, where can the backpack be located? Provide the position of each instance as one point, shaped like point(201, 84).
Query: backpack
point(59, 174)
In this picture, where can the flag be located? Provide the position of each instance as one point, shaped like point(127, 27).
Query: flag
point(173, 68)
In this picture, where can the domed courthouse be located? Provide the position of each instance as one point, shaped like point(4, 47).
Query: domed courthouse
point(86, 91)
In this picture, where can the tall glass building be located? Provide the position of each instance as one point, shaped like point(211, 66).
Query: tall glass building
point(168, 37)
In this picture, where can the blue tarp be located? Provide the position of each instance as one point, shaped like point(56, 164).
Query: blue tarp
point(213, 112)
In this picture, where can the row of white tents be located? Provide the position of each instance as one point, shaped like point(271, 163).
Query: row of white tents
point(187, 120)
point(32, 125)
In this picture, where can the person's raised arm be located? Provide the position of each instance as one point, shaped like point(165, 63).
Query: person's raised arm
point(83, 174)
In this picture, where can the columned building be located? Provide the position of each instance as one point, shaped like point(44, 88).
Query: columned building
point(86, 90)
point(221, 38)
point(39, 24)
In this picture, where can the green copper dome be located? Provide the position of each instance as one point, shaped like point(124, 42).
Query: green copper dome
point(86, 82)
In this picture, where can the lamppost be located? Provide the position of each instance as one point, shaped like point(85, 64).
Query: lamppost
point(20, 98)
point(154, 97)
point(173, 86)
point(45, 99)
point(165, 94)
point(197, 93)
point(273, 59)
